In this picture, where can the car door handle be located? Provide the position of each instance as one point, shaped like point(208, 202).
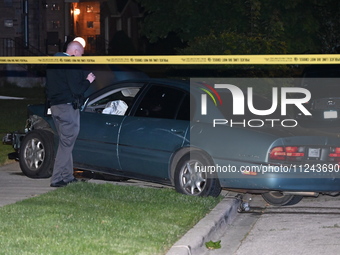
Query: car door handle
point(111, 124)
point(177, 131)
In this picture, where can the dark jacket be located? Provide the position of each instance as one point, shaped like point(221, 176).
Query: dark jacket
point(65, 83)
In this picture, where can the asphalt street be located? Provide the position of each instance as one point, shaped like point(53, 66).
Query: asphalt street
point(310, 227)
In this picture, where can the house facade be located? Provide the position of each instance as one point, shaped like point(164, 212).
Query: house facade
point(44, 27)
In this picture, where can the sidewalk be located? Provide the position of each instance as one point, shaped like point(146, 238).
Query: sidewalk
point(11, 98)
point(15, 186)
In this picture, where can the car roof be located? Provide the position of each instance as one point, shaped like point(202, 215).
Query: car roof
point(182, 84)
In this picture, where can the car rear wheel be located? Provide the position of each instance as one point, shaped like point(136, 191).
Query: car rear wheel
point(279, 199)
point(37, 154)
point(189, 181)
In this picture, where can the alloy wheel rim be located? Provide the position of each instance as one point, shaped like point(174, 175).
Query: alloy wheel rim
point(34, 154)
point(193, 182)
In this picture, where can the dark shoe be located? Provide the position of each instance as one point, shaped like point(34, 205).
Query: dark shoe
point(58, 184)
point(72, 181)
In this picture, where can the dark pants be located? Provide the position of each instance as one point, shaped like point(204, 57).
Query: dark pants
point(67, 121)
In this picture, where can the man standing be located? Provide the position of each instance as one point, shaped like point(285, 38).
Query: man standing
point(65, 87)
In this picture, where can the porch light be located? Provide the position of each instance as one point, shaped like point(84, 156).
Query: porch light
point(76, 11)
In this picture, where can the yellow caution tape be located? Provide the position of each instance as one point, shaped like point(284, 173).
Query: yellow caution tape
point(181, 59)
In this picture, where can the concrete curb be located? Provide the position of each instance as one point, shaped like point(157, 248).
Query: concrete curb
point(210, 227)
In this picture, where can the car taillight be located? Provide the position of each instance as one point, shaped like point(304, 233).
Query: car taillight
point(334, 154)
point(287, 153)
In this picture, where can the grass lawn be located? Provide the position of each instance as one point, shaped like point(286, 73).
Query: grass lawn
point(87, 218)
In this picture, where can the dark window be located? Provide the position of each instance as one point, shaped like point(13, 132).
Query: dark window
point(90, 24)
point(8, 3)
point(55, 24)
point(161, 102)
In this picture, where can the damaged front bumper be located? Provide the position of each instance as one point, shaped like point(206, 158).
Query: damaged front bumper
point(14, 139)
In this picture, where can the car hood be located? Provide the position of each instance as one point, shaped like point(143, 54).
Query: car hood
point(109, 74)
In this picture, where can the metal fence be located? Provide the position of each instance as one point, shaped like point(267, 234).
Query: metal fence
point(16, 47)
point(95, 45)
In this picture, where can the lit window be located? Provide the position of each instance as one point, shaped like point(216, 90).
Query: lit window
point(55, 7)
point(8, 23)
point(89, 8)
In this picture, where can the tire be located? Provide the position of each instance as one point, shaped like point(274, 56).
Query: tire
point(36, 156)
point(279, 199)
point(190, 182)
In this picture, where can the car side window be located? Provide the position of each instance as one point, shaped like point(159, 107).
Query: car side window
point(115, 102)
point(161, 102)
point(184, 110)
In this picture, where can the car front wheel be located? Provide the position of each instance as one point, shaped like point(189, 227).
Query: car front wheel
point(36, 156)
point(190, 181)
point(279, 199)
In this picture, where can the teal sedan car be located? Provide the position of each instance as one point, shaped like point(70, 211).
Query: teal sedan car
point(154, 130)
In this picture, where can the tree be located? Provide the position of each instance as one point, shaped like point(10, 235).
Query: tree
point(302, 26)
point(229, 43)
